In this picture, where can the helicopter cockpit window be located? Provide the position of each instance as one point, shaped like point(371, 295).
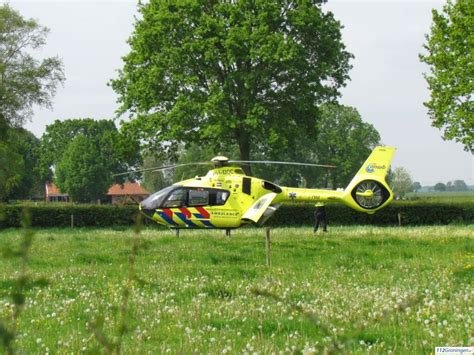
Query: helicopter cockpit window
point(198, 197)
point(156, 200)
point(175, 198)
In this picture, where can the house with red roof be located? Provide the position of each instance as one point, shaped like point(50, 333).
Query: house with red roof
point(128, 192)
point(53, 194)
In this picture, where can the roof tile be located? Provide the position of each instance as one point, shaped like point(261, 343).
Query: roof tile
point(128, 188)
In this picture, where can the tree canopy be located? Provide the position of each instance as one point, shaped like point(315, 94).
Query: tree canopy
point(416, 186)
point(343, 139)
point(121, 153)
point(64, 141)
point(451, 78)
point(19, 174)
point(12, 167)
point(24, 80)
point(401, 182)
point(246, 74)
point(82, 171)
point(26, 144)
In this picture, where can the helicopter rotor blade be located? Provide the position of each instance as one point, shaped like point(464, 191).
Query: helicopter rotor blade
point(280, 162)
point(160, 168)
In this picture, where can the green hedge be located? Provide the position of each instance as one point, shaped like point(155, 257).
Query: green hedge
point(412, 213)
point(60, 216)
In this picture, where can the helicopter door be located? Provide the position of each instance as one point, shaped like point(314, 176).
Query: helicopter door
point(207, 208)
point(197, 211)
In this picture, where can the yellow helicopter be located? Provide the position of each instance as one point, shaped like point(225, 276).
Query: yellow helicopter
point(227, 198)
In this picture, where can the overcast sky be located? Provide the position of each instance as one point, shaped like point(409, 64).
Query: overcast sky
point(387, 86)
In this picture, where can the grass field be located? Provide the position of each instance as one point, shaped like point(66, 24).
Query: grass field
point(444, 196)
point(400, 290)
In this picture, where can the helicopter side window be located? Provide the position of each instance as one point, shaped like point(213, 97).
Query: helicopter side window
point(221, 197)
point(218, 197)
point(198, 197)
point(175, 198)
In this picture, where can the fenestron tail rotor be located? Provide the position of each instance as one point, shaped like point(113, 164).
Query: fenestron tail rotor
point(370, 194)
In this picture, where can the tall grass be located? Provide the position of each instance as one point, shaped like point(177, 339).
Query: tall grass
point(97, 325)
point(18, 283)
point(371, 289)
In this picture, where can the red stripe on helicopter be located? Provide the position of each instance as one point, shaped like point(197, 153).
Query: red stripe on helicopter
point(203, 212)
point(186, 212)
point(168, 212)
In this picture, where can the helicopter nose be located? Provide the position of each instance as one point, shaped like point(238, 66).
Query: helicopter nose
point(148, 213)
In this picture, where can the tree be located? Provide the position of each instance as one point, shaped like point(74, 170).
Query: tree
point(440, 187)
point(194, 153)
point(109, 152)
point(24, 80)
point(401, 182)
point(230, 73)
point(343, 140)
point(451, 60)
point(460, 185)
point(449, 186)
point(19, 177)
point(121, 153)
point(25, 144)
point(416, 186)
point(155, 180)
point(12, 168)
point(82, 171)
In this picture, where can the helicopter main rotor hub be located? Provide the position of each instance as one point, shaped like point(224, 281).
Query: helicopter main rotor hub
point(220, 160)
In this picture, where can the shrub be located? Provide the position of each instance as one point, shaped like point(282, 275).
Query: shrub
point(60, 216)
point(412, 213)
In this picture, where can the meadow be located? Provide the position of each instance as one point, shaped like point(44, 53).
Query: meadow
point(355, 289)
point(442, 196)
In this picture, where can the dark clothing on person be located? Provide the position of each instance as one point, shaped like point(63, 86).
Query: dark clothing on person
point(320, 218)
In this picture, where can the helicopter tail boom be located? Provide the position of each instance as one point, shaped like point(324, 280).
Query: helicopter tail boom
point(367, 192)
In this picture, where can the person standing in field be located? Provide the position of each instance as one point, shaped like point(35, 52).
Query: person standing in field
point(320, 217)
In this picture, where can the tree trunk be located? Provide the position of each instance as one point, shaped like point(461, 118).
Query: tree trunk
point(244, 150)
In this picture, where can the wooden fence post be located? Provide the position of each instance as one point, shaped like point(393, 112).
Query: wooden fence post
point(267, 246)
point(72, 221)
point(399, 219)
